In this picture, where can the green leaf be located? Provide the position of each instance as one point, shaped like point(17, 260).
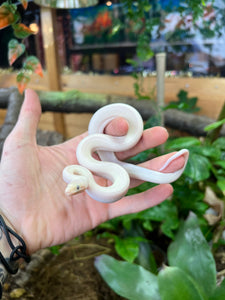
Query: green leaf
point(184, 103)
point(15, 50)
point(128, 280)
point(191, 253)
point(221, 184)
point(220, 163)
point(8, 14)
point(127, 248)
point(175, 284)
point(220, 143)
point(33, 64)
point(189, 199)
point(209, 151)
point(214, 125)
point(21, 31)
point(183, 142)
point(198, 167)
point(166, 212)
point(219, 293)
point(22, 79)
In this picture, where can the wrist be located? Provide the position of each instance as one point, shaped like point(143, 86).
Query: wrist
point(12, 247)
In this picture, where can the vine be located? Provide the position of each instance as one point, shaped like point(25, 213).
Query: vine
point(9, 16)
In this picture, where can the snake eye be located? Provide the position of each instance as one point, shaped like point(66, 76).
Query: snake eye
point(78, 187)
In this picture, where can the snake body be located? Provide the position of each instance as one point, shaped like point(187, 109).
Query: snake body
point(80, 177)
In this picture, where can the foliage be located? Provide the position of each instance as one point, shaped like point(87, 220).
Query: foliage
point(136, 235)
point(184, 103)
point(150, 19)
point(191, 273)
point(9, 16)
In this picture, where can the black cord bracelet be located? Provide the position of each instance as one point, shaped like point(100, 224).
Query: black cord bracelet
point(18, 252)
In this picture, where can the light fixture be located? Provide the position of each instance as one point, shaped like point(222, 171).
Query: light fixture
point(34, 27)
point(66, 3)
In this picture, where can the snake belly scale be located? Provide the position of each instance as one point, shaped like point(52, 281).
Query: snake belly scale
point(80, 177)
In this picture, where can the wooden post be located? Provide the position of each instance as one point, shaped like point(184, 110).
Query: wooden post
point(48, 24)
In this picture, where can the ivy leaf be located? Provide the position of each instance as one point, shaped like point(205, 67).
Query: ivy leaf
point(8, 14)
point(24, 3)
point(21, 31)
point(15, 50)
point(33, 64)
point(22, 81)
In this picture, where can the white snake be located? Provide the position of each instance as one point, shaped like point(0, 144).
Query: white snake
point(79, 177)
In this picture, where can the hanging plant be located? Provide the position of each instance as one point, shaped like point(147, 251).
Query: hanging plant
point(9, 16)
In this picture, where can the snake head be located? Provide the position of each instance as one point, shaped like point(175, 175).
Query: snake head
point(74, 188)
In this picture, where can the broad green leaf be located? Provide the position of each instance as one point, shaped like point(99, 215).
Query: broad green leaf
point(219, 293)
point(166, 212)
point(175, 284)
point(220, 143)
point(33, 64)
point(183, 142)
point(189, 199)
point(198, 167)
point(191, 253)
point(127, 248)
point(8, 14)
point(214, 125)
point(21, 31)
point(208, 151)
point(15, 50)
point(128, 280)
point(160, 212)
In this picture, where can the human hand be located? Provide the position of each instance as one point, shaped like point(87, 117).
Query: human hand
point(32, 196)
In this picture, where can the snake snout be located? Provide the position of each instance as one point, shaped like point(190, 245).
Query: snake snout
point(74, 188)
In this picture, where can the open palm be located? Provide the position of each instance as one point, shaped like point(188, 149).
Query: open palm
point(32, 197)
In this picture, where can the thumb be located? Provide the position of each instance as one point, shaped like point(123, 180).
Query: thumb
point(29, 116)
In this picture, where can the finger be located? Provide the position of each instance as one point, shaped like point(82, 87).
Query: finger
point(157, 163)
point(117, 127)
point(151, 138)
point(139, 202)
point(29, 116)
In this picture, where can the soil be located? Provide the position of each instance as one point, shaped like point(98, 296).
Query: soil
point(68, 275)
point(71, 273)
